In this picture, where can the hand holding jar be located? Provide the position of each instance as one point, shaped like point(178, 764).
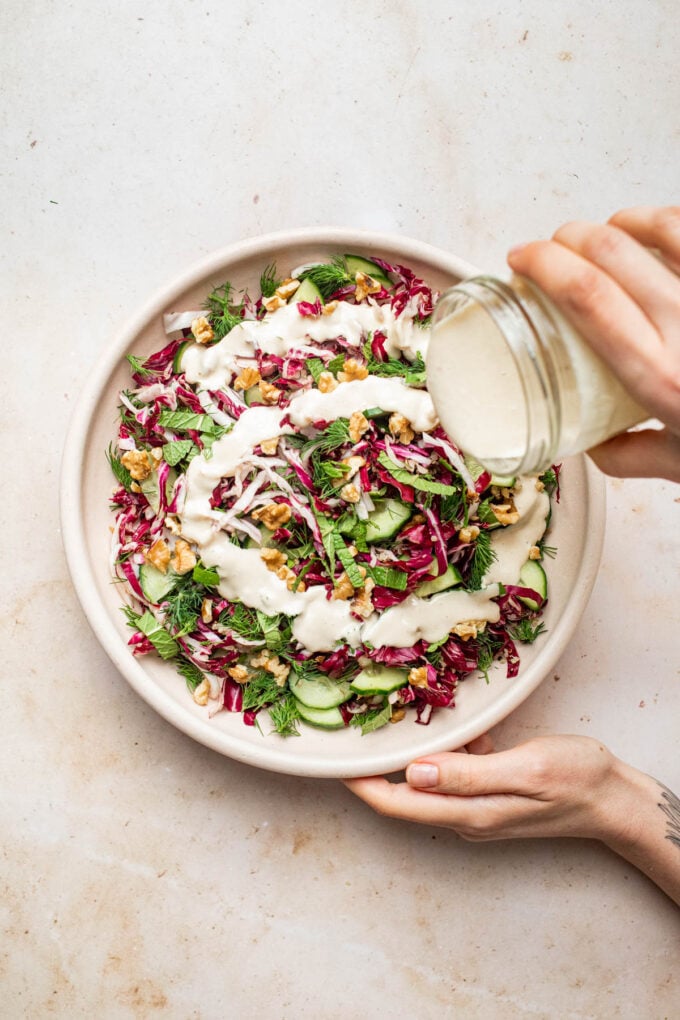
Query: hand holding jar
point(618, 284)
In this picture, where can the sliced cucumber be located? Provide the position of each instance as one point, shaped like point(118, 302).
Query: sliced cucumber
point(177, 360)
point(319, 691)
point(379, 680)
point(388, 517)
point(307, 291)
point(476, 469)
point(266, 541)
point(448, 579)
point(324, 718)
point(251, 394)
point(357, 264)
point(532, 575)
point(154, 583)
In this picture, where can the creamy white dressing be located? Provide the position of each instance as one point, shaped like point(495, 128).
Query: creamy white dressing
point(513, 542)
point(417, 619)
point(319, 623)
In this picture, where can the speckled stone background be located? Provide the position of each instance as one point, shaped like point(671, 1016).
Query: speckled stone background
point(142, 875)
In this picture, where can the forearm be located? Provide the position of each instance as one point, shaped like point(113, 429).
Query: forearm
point(644, 828)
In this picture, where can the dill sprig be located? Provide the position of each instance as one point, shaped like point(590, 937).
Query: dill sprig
point(269, 281)
point(137, 366)
point(333, 436)
point(413, 372)
point(224, 314)
point(482, 559)
point(328, 277)
point(526, 632)
point(285, 716)
point(122, 475)
point(191, 673)
point(488, 647)
point(184, 606)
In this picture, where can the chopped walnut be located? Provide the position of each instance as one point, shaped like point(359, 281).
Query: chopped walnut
point(418, 676)
point(398, 713)
point(135, 487)
point(274, 558)
point(207, 610)
point(239, 673)
point(273, 515)
point(326, 382)
point(156, 455)
point(272, 663)
point(350, 493)
point(269, 393)
point(358, 424)
point(269, 446)
point(202, 692)
point(505, 513)
point(400, 427)
point(353, 464)
point(540, 486)
point(249, 377)
point(260, 660)
point(202, 330)
point(343, 588)
point(290, 577)
point(273, 302)
point(158, 555)
point(286, 289)
point(138, 464)
point(362, 605)
point(173, 525)
point(365, 285)
point(184, 558)
point(534, 553)
point(329, 308)
point(469, 534)
point(352, 369)
point(467, 629)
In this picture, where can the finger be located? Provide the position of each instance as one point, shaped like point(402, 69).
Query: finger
point(481, 745)
point(468, 775)
point(614, 325)
point(399, 800)
point(650, 453)
point(656, 228)
point(650, 283)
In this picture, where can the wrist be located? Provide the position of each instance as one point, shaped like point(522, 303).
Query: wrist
point(628, 810)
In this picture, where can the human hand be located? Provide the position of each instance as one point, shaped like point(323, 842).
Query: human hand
point(626, 303)
point(549, 786)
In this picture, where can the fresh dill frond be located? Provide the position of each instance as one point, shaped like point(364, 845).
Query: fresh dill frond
point(137, 365)
point(184, 605)
point(548, 550)
point(550, 480)
point(413, 372)
point(224, 314)
point(485, 513)
point(334, 435)
point(482, 559)
point(488, 647)
point(244, 621)
point(328, 277)
point(122, 475)
point(262, 689)
point(191, 673)
point(425, 322)
point(452, 507)
point(285, 716)
point(526, 632)
point(269, 281)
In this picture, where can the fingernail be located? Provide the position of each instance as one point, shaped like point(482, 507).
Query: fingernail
point(516, 250)
point(421, 774)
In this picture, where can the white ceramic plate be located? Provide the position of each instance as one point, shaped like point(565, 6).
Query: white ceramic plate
point(86, 485)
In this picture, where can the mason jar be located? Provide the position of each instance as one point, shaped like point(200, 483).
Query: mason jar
point(513, 382)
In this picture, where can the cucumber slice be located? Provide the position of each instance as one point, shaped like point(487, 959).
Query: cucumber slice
point(177, 360)
point(307, 291)
point(267, 541)
point(319, 691)
point(379, 680)
point(448, 579)
point(356, 264)
point(476, 469)
point(388, 517)
point(324, 718)
point(154, 583)
point(532, 575)
point(251, 394)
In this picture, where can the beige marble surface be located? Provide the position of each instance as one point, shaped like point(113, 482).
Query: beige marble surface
point(141, 874)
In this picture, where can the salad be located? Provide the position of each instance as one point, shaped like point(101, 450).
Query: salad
point(293, 528)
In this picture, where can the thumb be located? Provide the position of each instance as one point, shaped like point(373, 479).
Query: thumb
point(466, 775)
point(650, 453)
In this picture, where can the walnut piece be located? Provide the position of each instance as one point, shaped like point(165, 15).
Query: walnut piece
point(505, 513)
point(362, 605)
point(329, 308)
point(534, 553)
point(352, 369)
point(273, 515)
point(272, 664)
point(273, 302)
point(467, 629)
point(469, 534)
point(138, 464)
point(290, 577)
point(270, 446)
point(202, 330)
point(326, 382)
point(274, 558)
point(202, 692)
point(207, 610)
point(269, 393)
point(286, 289)
point(184, 558)
point(358, 424)
point(158, 555)
point(353, 465)
point(343, 588)
point(239, 673)
point(365, 285)
point(418, 676)
point(350, 493)
point(398, 713)
point(249, 377)
point(400, 427)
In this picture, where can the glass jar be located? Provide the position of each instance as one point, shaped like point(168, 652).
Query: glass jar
point(513, 382)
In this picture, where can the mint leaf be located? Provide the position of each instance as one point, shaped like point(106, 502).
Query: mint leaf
point(164, 643)
point(177, 450)
point(420, 482)
point(203, 575)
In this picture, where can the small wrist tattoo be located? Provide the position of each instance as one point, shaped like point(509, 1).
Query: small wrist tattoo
point(670, 805)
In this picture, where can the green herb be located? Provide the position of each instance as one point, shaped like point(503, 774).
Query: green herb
point(223, 314)
point(270, 627)
point(315, 367)
point(191, 673)
point(184, 606)
point(244, 621)
point(425, 322)
point(269, 281)
point(147, 624)
point(488, 646)
point(485, 513)
point(548, 550)
point(336, 364)
point(373, 719)
point(333, 470)
point(178, 450)
point(262, 689)
point(285, 716)
point(186, 421)
point(137, 365)
point(550, 480)
point(526, 632)
point(483, 557)
point(334, 435)
point(413, 372)
point(204, 575)
point(328, 277)
point(123, 476)
point(420, 482)
point(388, 577)
point(344, 555)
